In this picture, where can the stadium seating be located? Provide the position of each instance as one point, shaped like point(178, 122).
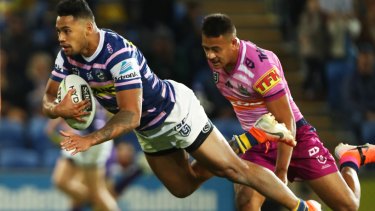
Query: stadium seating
point(11, 134)
point(39, 140)
point(50, 157)
point(18, 158)
point(368, 132)
point(228, 127)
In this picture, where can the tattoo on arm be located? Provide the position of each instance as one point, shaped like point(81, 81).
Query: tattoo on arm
point(119, 124)
point(48, 107)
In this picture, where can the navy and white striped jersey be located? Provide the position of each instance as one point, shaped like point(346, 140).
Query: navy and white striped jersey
point(118, 65)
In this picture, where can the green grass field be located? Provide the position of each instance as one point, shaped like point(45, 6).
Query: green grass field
point(368, 192)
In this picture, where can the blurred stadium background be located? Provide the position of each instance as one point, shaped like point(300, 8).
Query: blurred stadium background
point(167, 31)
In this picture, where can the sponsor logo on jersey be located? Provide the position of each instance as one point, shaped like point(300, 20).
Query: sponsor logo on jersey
point(75, 71)
point(321, 159)
point(249, 63)
point(58, 68)
point(229, 85)
point(313, 151)
point(262, 56)
point(85, 92)
point(268, 80)
point(207, 127)
point(99, 74)
point(125, 67)
point(109, 48)
point(75, 97)
point(183, 128)
point(89, 76)
point(243, 90)
point(216, 77)
point(244, 104)
point(127, 76)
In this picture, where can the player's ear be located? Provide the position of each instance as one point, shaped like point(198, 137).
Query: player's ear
point(234, 41)
point(89, 27)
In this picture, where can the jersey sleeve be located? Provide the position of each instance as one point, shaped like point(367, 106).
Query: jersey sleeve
point(268, 80)
point(59, 71)
point(126, 74)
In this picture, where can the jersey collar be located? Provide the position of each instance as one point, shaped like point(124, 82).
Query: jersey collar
point(98, 49)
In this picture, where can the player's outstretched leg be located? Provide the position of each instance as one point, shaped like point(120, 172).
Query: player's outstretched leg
point(265, 129)
point(355, 156)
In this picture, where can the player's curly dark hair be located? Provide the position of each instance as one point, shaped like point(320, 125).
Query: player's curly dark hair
point(217, 24)
point(75, 8)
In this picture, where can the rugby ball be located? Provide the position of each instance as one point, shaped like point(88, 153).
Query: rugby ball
point(82, 92)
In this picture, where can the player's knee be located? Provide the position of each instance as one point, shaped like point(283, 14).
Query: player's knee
point(343, 208)
point(353, 206)
point(349, 205)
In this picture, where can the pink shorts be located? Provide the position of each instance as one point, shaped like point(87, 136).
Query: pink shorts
point(310, 159)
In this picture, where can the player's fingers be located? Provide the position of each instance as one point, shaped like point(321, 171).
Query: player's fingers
point(82, 113)
point(291, 142)
point(84, 104)
point(69, 147)
point(65, 143)
point(76, 150)
point(71, 91)
point(81, 109)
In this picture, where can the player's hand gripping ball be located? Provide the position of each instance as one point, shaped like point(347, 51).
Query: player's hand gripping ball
point(83, 91)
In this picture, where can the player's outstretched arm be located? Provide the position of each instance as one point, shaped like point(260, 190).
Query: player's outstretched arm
point(124, 121)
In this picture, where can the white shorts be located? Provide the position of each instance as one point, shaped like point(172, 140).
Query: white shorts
point(186, 127)
point(95, 156)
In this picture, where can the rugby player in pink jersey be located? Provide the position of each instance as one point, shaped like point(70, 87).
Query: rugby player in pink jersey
point(252, 79)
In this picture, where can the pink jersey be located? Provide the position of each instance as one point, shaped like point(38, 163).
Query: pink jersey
point(257, 77)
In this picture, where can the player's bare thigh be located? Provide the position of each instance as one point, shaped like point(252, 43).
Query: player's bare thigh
point(64, 171)
point(217, 156)
point(94, 178)
point(333, 190)
point(174, 171)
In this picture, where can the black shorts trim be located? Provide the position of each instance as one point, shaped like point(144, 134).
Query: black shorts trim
point(206, 131)
point(163, 152)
